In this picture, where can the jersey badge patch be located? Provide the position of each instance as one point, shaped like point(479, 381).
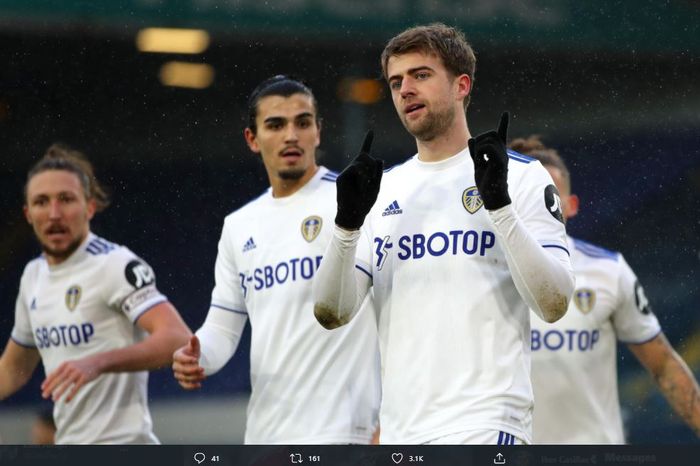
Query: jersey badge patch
point(584, 298)
point(553, 202)
point(471, 199)
point(311, 227)
point(73, 297)
point(640, 299)
point(139, 274)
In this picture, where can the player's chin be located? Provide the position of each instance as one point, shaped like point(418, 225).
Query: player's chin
point(60, 249)
point(292, 173)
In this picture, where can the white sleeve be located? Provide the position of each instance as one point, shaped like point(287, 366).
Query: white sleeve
point(22, 330)
point(230, 288)
point(339, 287)
point(632, 318)
point(534, 241)
point(130, 284)
point(543, 276)
point(219, 337)
point(222, 329)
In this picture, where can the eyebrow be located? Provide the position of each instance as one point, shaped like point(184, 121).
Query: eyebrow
point(60, 193)
point(278, 119)
point(411, 71)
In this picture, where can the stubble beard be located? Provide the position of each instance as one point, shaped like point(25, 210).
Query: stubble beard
point(291, 174)
point(61, 254)
point(432, 125)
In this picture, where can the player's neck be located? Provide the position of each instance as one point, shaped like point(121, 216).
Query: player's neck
point(282, 187)
point(445, 145)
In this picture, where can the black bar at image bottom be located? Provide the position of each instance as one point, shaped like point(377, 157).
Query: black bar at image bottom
point(341, 455)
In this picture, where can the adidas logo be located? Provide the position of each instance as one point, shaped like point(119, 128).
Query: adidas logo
point(32, 307)
point(393, 209)
point(250, 244)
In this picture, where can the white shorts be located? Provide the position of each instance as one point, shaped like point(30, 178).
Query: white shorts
point(477, 437)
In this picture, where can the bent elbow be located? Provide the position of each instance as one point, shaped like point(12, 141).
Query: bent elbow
point(329, 318)
point(555, 308)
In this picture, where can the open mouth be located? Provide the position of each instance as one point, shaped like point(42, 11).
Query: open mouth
point(413, 108)
point(292, 153)
point(56, 231)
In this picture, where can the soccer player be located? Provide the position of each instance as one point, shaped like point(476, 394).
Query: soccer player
point(89, 310)
point(462, 238)
point(309, 386)
point(574, 372)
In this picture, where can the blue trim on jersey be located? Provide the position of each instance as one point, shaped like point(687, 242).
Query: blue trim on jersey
point(519, 157)
point(363, 270)
point(592, 250)
point(149, 308)
point(331, 172)
point(505, 438)
point(558, 247)
point(235, 311)
point(24, 345)
point(330, 180)
point(98, 246)
point(643, 341)
point(104, 243)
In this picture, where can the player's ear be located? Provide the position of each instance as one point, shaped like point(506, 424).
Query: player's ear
point(464, 86)
point(91, 208)
point(25, 209)
point(251, 140)
point(572, 204)
point(319, 124)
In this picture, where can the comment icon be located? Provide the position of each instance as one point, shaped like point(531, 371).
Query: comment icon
point(199, 457)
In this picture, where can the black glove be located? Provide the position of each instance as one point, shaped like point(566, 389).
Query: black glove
point(488, 151)
point(358, 186)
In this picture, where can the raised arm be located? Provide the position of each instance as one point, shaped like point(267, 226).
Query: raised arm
point(543, 276)
point(339, 288)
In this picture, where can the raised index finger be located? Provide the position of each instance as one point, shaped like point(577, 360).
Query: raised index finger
point(367, 144)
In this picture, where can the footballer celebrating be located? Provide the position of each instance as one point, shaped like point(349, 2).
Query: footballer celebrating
point(457, 243)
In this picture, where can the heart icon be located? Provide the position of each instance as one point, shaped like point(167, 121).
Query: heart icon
point(397, 457)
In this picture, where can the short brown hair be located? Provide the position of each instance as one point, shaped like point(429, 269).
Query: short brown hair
point(62, 157)
point(534, 147)
point(445, 42)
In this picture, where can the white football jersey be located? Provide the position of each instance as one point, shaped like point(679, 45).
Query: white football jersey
point(309, 384)
point(574, 360)
point(86, 305)
point(454, 332)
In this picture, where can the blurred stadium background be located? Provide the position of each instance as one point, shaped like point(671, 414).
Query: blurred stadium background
point(613, 85)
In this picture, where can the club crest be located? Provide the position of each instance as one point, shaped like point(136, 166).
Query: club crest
point(584, 299)
point(311, 227)
point(471, 199)
point(73, 297)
